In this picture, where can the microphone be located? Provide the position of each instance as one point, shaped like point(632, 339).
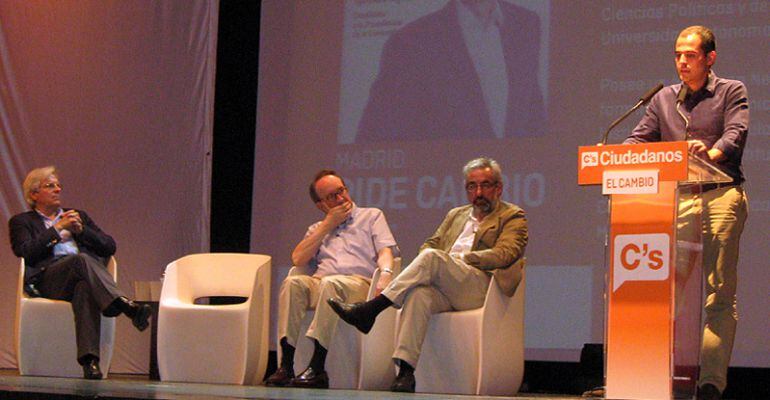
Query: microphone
point(647, 96)
point(642, 100)
point(683, 92)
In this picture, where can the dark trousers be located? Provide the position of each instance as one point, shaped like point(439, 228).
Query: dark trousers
point(85, 282)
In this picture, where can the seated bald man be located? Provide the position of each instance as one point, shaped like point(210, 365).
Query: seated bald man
point(342, 251)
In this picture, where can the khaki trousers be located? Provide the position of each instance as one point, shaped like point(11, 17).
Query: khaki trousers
point(300, 293)
point(724, 213)
point(434, 282)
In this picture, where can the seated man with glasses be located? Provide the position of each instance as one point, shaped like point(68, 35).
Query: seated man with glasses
point(453, 269)
point(65, 255)
point(343, 251)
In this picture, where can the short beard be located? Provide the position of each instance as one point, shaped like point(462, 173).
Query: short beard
point(483, 205)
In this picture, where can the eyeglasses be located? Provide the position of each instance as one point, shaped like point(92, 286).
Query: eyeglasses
point(51, 186)
point(473, 186)
point(333, 196)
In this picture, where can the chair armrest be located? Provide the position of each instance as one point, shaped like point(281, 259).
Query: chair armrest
point(508, 279)
point(373, 285)
point(295, 270)
point(376, 277)
point(396, 266)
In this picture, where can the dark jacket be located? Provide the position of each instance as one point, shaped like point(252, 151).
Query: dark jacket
point(34, 242)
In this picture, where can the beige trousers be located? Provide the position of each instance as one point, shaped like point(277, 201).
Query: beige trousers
point(300, 293)
point(434, 282)
point(724, 213)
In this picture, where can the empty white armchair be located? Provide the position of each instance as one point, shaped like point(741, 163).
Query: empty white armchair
point(45, 334)
point(214, 343)
point(355, 360)
point(476, 352)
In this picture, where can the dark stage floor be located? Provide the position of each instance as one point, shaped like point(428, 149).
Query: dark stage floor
point(13, 386)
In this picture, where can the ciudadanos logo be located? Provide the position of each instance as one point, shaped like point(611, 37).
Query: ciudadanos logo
point(590, 159)
point(643, 257)
point(629, 157)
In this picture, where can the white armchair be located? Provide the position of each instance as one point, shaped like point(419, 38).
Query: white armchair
point(476, 352)
point(45, 334)
point(214, 343)
point(355, 360)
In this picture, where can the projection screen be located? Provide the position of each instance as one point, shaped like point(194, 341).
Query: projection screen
point(390, 94)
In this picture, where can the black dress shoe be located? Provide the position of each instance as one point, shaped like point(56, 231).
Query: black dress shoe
point(141, 315)
point(31, 290)
point(353, 314)
point(91, 369)
point(281, 377)
point(404, 383)
point(708, 392)
point(312, 379)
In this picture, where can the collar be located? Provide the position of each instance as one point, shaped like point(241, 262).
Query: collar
point(710, 86)
point(473, 217)
point(469, 19)
point(58, 214)
point(711, 82)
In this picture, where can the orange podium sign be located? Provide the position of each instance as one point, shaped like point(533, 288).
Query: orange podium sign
point(643, 182)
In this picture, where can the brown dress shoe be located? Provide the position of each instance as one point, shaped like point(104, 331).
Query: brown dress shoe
point(281, 377)
point(311, 379)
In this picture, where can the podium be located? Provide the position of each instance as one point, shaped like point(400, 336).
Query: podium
point(653, 291)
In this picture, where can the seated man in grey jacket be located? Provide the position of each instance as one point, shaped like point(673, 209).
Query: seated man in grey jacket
point(453, 269)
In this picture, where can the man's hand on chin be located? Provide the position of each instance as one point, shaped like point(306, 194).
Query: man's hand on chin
point(338, 214)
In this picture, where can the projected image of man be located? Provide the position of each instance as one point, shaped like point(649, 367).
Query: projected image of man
point(466, 71)
point(712, 115)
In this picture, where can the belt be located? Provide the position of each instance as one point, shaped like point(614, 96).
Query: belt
point(695, 189)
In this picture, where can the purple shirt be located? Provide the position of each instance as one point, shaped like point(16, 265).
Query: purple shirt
point(718, 114)
point(352, 247)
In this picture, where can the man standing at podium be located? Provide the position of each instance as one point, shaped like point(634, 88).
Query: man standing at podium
point(712, 115)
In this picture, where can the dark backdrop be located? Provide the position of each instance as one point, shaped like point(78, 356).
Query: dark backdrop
point(235, 116)
point(231, 192)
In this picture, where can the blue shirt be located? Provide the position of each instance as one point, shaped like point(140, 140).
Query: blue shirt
point(352, 247)
point(718, 114)
point(66, 246)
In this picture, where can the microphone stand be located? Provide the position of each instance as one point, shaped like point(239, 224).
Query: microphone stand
point(620, 119)
point(642, 100)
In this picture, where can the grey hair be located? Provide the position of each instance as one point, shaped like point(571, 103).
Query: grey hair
point(34, 179)
point(483, 163)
